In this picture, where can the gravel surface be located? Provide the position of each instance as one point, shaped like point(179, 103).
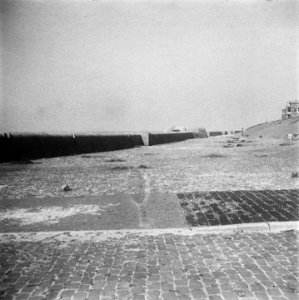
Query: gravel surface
point(212, 164)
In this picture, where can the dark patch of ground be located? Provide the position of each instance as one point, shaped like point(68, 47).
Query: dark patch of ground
point(214, 155)
point(114, 160)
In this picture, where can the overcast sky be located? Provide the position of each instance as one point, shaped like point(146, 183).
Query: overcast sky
point(146, 65)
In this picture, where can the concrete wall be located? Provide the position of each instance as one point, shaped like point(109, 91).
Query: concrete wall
point(97, 143)
point(164, 138)
point(31, 146)
point(215, 133)
point(200, 133)
point(5, 147)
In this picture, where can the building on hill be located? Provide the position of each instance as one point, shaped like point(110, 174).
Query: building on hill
point(291, 110)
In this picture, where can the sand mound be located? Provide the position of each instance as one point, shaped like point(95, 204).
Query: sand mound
point(275, 129)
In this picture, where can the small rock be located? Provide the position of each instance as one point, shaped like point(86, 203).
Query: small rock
point(65, 188)
point(143, 167)
point(120, 168)
point(294, 174)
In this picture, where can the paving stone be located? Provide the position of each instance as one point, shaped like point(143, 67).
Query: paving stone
point(167, 286)
point(169, 296)
point(213, 290)
point(154, 278)
point(230, 295)
point(20, 296)
point(183, 297)
point(198, 294)
point(257, 287)
point(93, 297)
point(215, 297)
point(154, 285)
point(67, 293)
point(122, 294)
point(180, 282)
point(80, 296)
point(154, 294)
point(83, 287)
point(137, 290)
point(261, 296)
point(182, 290)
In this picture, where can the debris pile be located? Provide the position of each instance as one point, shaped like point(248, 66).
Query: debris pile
point(235, 141)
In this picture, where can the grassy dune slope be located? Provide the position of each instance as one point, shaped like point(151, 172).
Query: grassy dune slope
point(275, 129)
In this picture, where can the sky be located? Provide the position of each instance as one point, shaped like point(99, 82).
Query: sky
point(97, 65)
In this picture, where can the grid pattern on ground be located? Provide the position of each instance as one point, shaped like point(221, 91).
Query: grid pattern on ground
point(163, 267)
point(243, 206)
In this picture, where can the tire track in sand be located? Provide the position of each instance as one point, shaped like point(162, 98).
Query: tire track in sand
point(141, 200)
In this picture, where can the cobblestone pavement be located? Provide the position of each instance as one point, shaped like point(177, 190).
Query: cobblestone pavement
point(233, 207)
point(162, 266)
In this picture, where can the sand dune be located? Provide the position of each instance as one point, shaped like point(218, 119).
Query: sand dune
point(275, 129)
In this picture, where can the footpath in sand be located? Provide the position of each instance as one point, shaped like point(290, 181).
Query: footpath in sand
point(202, 219)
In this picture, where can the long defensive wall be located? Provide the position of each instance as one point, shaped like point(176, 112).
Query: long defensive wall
point(16, 147)
point(32, 146)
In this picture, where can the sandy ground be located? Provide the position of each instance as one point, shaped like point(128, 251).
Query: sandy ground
point(104, 184)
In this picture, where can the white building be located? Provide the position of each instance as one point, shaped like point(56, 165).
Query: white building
point(291, 110)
